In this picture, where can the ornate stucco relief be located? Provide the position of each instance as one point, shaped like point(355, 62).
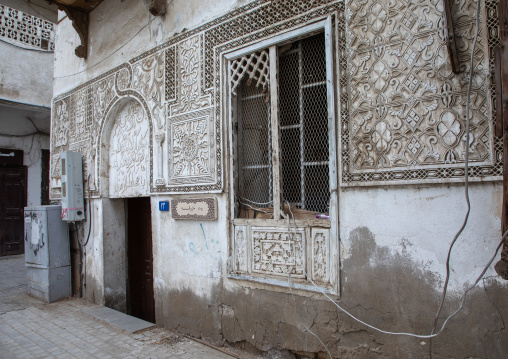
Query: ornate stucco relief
point(401, 111)
point(191, 159)
point(189, 97)
point(320, 242)
point(148, 80)
point(129, 152)
point(406, 115)
point(240, 249)
point(277, 251)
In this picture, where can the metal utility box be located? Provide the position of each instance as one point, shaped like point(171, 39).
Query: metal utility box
point(72, 186)
point(49, 284)
point(47, 253)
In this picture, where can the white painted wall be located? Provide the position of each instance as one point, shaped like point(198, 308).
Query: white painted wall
point(423, 220)
point(419, 220)
point(115, 39)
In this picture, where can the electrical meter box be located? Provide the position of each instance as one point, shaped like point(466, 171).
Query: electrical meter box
point(72, 187)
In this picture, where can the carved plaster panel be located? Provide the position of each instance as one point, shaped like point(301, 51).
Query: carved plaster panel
point(240, 253)
point(191, 144)
point(21, 29)
point(278, 252)
point(390, 128)
point(129, 155)
point(148, 80)
point(189, 60)
point(406, 115)
point(320, 242)
point(82, 110)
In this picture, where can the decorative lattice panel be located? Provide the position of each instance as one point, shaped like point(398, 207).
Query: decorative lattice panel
point(406, 115)
point(26, 30)
point(401, 115)
point(254, 66)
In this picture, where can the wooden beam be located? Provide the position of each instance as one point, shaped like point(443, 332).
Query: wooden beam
point(451, 45)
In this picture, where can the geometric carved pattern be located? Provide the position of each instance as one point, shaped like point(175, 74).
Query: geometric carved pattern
point(255, 66)
point(402, 110)
point(241, 248)
point(182, 75)
point(278, 252)
point(320, 254)
point(26, 30)
point(405, 117)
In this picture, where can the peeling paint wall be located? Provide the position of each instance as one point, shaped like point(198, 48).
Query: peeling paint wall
point(395, 222)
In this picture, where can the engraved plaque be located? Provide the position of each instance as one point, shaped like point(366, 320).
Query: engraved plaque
point(204, 209)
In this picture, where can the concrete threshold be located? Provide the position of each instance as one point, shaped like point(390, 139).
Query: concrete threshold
point(118, 319)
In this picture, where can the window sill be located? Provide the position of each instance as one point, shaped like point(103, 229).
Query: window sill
point(282, 223)
point(297, 285)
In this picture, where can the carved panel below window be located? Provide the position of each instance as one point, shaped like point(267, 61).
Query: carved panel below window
point(270, 253)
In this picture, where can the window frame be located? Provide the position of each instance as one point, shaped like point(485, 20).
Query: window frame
point(278, 221)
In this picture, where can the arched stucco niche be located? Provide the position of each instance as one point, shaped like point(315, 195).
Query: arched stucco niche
point(124, 172)
point(125, 150)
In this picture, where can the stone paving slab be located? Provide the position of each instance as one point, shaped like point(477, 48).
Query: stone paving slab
point(118, 319)
point(32, 328)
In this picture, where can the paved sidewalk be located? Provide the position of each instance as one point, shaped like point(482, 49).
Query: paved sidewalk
point(31, 328)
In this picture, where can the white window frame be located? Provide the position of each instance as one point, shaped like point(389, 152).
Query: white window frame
point(307, 226)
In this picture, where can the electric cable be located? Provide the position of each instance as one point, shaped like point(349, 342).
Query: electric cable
point(411, 334)
point(466, 172)
point(89, 211)
point(29, 3)
point(291, 290)
point(432, 335)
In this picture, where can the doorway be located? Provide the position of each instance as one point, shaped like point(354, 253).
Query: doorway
point(141, 303)
point(12, 203)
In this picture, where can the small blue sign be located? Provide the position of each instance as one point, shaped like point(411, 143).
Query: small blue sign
point(163, 205)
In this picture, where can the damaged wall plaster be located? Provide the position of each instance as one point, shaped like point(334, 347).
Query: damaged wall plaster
point(393, 239)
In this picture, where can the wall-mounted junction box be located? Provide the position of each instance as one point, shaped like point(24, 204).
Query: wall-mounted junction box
point(72, 187)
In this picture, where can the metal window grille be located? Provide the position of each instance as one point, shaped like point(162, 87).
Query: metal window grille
point(254, 146)
point(303, 132)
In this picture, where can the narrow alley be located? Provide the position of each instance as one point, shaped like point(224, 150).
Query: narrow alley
point(31, 328)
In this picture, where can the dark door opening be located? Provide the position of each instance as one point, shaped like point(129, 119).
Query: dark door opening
point(141, 303)
point(12, 204)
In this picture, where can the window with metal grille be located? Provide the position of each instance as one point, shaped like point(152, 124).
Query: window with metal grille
point(282, 134)
point(282, 120)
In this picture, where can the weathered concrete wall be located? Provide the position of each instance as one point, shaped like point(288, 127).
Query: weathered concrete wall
point(393, 243)
point(114, 254)
point(109, 33)
point(26, 76)
point(93, 256)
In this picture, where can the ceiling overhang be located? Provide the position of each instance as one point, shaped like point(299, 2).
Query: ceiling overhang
point(77, 11)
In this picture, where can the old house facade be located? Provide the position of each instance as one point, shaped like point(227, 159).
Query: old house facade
point(246, 159)
point(26, 88)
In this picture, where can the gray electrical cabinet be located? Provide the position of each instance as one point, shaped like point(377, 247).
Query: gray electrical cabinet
point(47, 253)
